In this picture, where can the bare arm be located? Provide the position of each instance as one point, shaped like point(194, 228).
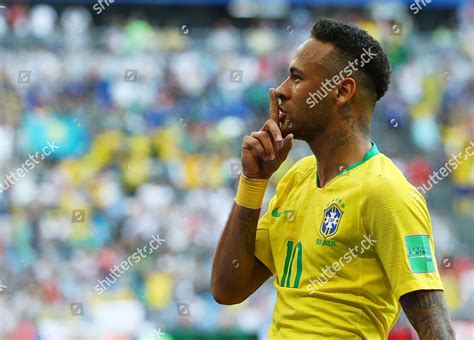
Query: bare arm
point(427, 312)
point(236, 272)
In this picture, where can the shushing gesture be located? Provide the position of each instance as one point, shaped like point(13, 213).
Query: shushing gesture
point(264, 150)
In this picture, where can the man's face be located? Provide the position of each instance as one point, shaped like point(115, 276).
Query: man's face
point(306, 73)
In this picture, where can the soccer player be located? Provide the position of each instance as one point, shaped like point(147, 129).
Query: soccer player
point(347, 239)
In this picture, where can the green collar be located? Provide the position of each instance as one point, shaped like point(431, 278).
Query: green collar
point(373, 151)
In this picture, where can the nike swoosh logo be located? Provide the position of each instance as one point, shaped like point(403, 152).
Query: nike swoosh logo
point(275, 212)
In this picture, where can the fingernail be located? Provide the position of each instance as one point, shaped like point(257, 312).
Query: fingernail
point(272, 157)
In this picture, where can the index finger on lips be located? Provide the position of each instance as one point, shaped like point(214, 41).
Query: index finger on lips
point(274, 112)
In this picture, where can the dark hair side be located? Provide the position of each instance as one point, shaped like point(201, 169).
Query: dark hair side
point(351, 42)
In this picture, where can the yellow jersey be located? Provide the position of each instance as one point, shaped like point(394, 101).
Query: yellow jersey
point(344, 254)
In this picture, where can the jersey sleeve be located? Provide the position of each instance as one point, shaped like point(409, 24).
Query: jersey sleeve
point(398, 220)
point(263, 249)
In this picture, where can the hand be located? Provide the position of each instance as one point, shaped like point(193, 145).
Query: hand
point(264, 150)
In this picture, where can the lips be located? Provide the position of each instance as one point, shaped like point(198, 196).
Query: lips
point(282, 115)
point(282, 119)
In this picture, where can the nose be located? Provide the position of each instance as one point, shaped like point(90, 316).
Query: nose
point(283, 91)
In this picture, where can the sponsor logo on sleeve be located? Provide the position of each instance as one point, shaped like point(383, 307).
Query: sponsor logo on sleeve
point(420, 255)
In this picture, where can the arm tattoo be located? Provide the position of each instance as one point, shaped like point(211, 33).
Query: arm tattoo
point(249, 219)
point(427, 312)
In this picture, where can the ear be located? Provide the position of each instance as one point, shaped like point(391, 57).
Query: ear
point(345, 91)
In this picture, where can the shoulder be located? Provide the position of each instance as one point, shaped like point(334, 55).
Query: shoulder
point(384, 181)
point(299, 170)
point(389, 202)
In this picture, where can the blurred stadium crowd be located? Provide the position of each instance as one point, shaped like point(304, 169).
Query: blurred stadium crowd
point(148, 122)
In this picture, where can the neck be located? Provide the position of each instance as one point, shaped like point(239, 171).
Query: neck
point(337, 150)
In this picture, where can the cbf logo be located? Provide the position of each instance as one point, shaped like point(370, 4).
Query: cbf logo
point(332, 217)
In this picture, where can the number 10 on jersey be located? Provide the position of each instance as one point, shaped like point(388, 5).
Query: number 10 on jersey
point(291, 253)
